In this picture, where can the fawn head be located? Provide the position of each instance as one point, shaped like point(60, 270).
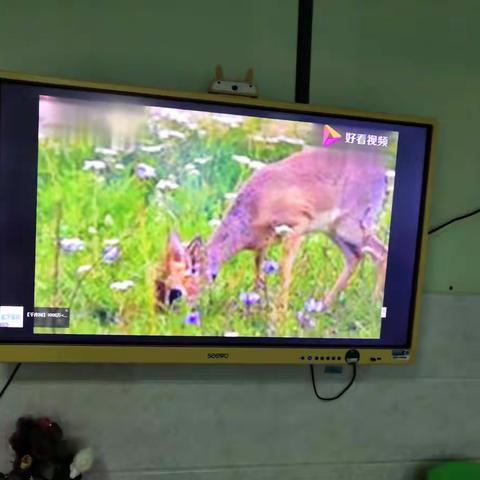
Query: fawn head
point(182, 273)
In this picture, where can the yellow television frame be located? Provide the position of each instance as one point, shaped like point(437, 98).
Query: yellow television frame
point(224, 354)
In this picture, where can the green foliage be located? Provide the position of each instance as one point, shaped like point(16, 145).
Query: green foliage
point(97, 206)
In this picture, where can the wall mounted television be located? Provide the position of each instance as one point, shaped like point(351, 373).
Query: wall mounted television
point(139, 225)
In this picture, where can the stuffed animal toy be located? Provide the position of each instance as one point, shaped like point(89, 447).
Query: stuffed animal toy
point(41, 453)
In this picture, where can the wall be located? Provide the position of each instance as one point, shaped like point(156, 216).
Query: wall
point(168, 44)
point(246, 422)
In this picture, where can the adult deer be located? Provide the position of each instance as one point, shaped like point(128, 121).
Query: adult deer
point(335, 191)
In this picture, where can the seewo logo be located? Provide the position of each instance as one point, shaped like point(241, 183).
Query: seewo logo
point(11, 317)
point(218, 356)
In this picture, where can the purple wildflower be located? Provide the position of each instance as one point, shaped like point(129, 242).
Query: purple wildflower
point(111, 254)
point(305, 321)
point(314, 306)
point(270, 266)
point(249, 298)
point(71, 245)
point(145, 172)
point(192, 318)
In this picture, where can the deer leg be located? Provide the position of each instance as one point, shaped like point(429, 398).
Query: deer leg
point(378, 251)
point(351, 258)
point(259, 276)
point(290, 249)
point(380, 283)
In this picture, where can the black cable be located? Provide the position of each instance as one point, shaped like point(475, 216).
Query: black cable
point(10, 379)
point(304, 51)
point(329, 399)
point(453, 220)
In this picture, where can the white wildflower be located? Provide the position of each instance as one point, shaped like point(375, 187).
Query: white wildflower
point(111, 242)
point(228, 119)
point(257, 138)
point(230, 196)
point(166, 184)
point(202, 160)
point(152, 148)
point(215, 222)
point(290, 140)
point(257, 164)
point(83, 269)
point(106, 151)
point(165, 134)
point(122, 286)
point(242, 159)
point(94, 165)
point(184, 117)
point(108, 220)
point(231, 334)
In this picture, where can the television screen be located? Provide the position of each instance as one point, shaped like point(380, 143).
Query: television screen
point(133, 219)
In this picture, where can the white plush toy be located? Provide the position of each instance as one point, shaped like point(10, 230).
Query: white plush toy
point(81, 463)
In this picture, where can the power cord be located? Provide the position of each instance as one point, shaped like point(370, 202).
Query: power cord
point(10, 379)
point(338, 395)
point(453, 220)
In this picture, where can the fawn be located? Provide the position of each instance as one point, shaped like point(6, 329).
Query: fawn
point(337, 192)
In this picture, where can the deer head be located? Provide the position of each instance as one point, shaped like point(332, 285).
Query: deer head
point(183, 271)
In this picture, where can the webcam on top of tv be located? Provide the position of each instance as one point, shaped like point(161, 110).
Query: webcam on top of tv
point(243, 88)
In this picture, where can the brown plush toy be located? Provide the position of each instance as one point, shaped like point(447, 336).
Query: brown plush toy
point(41, 453)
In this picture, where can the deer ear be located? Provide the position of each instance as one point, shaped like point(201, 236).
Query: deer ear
point(218, 73)
point(249, 76)
point(175, 249)
point(195, 250)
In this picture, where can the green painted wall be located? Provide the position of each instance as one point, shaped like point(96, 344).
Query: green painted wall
point(164, 43)
point(419, 58)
